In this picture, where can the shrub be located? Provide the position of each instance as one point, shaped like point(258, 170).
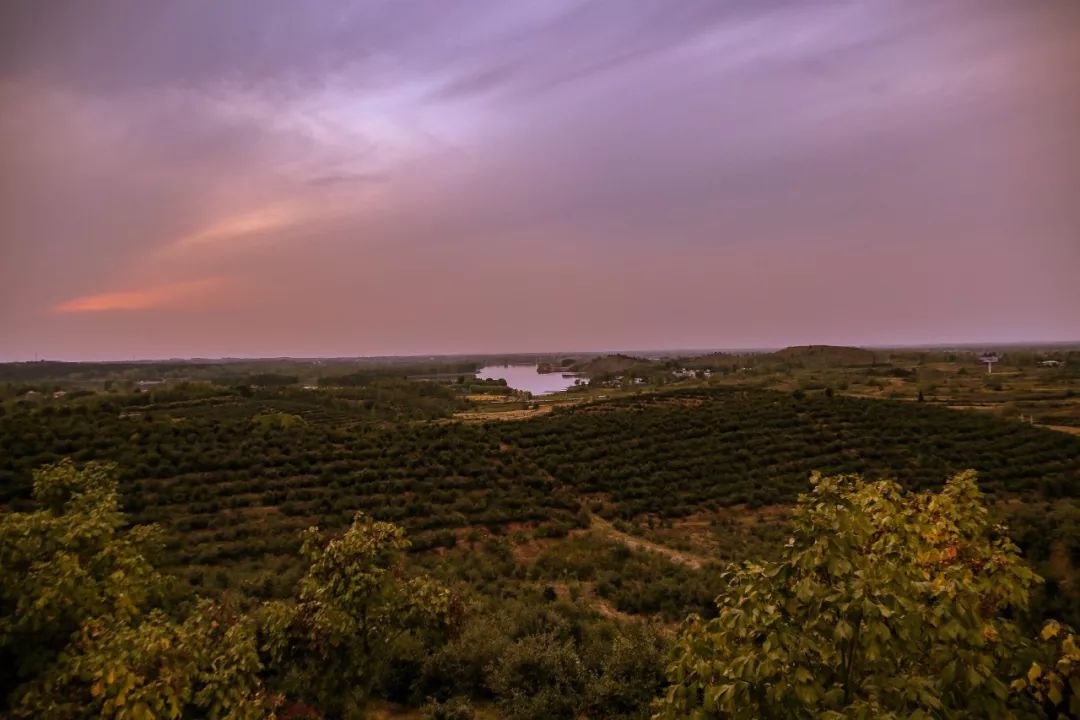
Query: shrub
point(884, 604)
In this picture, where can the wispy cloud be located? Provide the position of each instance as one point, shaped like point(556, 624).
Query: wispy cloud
point(348, 179)
point(170, 295)
point(323, 202)
point(245, 225)
point(372, 172)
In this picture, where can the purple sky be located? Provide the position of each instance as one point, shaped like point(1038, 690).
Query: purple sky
point(223, 177)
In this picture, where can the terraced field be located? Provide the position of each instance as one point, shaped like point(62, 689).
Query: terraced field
point(674, 453)
point(232, 479)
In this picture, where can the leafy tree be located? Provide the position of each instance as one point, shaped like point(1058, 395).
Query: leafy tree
point(68, 562)
point(883, 605)
point(333, 645)
point(79, 631)
point(204, 667)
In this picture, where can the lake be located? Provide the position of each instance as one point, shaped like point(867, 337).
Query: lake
point(525, 377)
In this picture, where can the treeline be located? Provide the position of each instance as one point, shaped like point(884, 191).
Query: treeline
point(367, 376)
point(270, 372)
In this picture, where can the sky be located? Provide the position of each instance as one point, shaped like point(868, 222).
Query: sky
point(214, 178)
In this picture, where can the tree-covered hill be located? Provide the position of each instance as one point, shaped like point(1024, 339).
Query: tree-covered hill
point(823, 355)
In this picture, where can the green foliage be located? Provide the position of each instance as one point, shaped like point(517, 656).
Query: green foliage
point(205, 667)
point(1048, 534)
point(555, 659)
point(376, 374)
point(675, 453)
point(539, 677)
point(333, 645)
point(228, 495)
point(629, 675)
point(1055, 683)
point(231, 486)
point(269, 380)
point(80, 628)
point(635, 582)
point(884, 605)
point(284, 421)
point(456, 708)
point(224, 493)
point(68, 563)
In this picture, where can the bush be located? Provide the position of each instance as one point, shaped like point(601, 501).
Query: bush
point(540, 677)
point(456, 708)
point(630, 675)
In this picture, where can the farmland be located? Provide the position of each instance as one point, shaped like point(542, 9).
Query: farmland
point(234, 473)
point(584, 521)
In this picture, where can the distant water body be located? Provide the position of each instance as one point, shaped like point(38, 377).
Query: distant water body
point(525, 377)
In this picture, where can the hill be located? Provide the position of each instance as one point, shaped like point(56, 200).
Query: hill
point(823, 356)
point(610, 364)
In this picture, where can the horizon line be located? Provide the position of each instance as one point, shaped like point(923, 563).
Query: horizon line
point(664, 352)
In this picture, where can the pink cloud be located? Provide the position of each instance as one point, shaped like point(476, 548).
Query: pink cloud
point(169, 295)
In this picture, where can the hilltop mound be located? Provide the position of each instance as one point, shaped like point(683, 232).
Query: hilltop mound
point(824, 355)
point(610, 364)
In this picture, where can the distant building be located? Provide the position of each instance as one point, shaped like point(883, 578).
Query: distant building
point(59, 394)
point(1051, 363)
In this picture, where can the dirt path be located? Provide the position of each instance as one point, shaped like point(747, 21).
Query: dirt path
point(1063, 428)
point(588, 595)
point(678, 556)
point(606, 529)
point(488, 415)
